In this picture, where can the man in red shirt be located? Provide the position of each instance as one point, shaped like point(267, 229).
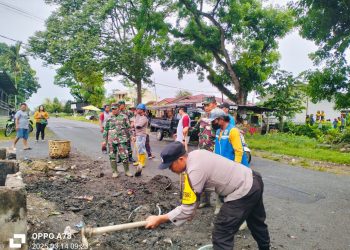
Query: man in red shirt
point(103, 118)
point(183, 127)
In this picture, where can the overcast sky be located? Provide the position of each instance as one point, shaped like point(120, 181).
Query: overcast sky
point(19, 26)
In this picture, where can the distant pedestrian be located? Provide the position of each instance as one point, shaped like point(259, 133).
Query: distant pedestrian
point(183, 127)
point(342, 122)
point(226, 108)
point(41, 117)
point(335, 123)
point(312, 120)
point(104, 116)
point(22, 126)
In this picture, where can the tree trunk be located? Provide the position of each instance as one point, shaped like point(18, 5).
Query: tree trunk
point(139, 91)
point(241, 97)
point(281, 123)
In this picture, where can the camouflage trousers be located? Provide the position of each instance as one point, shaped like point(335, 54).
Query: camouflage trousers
point(120, 150)
point(128, 143)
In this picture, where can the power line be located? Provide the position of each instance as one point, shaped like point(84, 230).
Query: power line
point(11, 39)
point(22, 12)
point(174, 87)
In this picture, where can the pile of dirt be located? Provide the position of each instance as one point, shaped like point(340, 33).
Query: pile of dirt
point(102, 201)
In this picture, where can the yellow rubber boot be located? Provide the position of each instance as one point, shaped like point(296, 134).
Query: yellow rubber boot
point(142, 160)
point(138, 161)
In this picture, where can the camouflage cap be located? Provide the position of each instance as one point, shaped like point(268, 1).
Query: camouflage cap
point(209, 99)
point(114, 105)
point(121, 102)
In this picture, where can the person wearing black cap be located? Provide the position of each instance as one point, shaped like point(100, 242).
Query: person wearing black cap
point(226, 108)
point(239, 186)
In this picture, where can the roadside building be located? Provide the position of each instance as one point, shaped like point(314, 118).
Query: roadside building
point(7, 89)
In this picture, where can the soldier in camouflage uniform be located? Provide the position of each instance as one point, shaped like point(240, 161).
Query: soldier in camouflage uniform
point(206, 133)
point(130, 115)
point(116, 135)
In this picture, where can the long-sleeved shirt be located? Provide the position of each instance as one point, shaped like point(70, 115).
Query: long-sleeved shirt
point(39, 115)
point(207, 170)
point(140, 124)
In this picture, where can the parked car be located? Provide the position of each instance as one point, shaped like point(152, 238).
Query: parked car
point(166, 125)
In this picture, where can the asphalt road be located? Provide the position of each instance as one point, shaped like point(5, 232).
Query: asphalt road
point(305, 209)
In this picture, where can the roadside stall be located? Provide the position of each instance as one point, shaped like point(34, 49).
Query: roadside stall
point(255, 119)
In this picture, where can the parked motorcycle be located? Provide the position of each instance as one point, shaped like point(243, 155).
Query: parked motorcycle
point(11, 126)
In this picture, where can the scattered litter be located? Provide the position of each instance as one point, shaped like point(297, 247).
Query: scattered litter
point(27, 160)
point(69, 231)
point(159, 209)
point(85, 197)
point(133, 211)
point(144, 241)
point(49, 162)
point(58, 168)
point(130, 191)
point(73, 167)
point(291, 236)
point(54, 213)
point(168, 240)
point(80, 225)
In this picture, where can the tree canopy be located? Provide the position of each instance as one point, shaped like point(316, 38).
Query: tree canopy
point(232, 43)
point(327, 24)
point(94, 39)
point(16, 64)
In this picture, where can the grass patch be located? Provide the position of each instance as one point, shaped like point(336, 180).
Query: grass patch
point(79, 118)
point(4, 138)
point(298, 146)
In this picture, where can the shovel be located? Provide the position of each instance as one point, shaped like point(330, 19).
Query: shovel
point(88, 232)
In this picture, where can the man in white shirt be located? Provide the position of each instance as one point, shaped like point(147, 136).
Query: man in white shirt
point(183, 127)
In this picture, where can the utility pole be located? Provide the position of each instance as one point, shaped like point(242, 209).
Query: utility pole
point(155, 88)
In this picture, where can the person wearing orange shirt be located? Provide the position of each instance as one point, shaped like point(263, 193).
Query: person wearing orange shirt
point(41, 117)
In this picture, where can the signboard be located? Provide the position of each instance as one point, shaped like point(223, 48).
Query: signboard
point(73, 106)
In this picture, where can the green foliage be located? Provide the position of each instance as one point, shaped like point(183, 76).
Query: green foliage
point(327, 24)
point(305, 130)
point(298, 146)
point(17, 66)
point(285, 95)
point(53, 106)
point(233, 43)
point(94, 39)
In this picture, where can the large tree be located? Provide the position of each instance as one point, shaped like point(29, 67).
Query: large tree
point(327, 23)
point(93, 39)
point(16, 64)
point(285, 94)
point(234, 43)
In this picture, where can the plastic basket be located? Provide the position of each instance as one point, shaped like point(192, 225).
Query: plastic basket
point(59, 149)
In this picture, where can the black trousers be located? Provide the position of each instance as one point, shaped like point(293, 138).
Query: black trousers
point(249, 208)
point(40, 129)
point(148, 147)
